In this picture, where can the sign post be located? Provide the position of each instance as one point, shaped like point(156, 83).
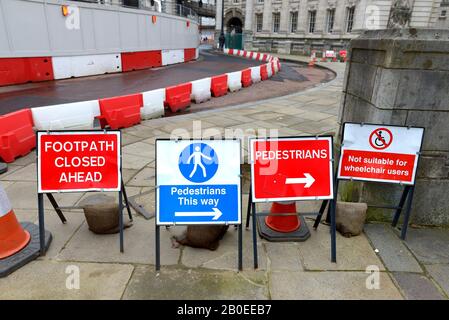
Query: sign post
point(197, 183)
point(78, 161)
point(289, 169)
point(380, 153)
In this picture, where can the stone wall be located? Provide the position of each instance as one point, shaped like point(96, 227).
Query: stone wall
point(402, 78)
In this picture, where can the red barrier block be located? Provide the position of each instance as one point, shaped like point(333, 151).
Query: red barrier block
point(120, 112)
point(264, 57)
point(219, 85)
point(231, 51)
point(189, 54)
point(257, 56)
point(273, 71)
point(141, 60)
point(246, 78)
point(178, 97)
point(279, 64)
point(263, 72)
point(23, 70)
point(17, 137)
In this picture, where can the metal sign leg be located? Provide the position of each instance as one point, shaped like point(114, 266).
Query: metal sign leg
point(126, 201)
point(320, 214)
point(240, 244)
point(158, 248)
point(400, 206)
point(40, 202)
point(248, 211)
point(120, 212)
point(56, 207)
point(332, 215)
point(407, 213)
point(256, 263)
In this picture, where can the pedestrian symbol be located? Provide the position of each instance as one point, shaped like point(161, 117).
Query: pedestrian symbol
point(198, 162)
point(381, 138)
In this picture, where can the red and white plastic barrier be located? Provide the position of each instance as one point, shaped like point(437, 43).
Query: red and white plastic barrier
point(17, 137)
point(23, 70)
point(201, 90)
point(76, 115)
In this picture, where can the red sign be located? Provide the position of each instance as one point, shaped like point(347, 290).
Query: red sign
point(79, 161)
point(380, 153)
point(285, 169)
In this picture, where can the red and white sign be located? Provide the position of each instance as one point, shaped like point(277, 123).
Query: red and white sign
point(78, 161)
point(330, 54)
point(284, 169)
point(380, 153)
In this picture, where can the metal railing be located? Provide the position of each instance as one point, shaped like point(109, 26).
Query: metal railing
point(169, 7)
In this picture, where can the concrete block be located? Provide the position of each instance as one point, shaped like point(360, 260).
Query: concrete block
point(436, 124)
point(385, 88)
point(361, 79)
point(434, 165)
point(430, 204)
point(371, 57)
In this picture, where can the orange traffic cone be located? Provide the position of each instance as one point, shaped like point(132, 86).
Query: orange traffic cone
point(13, 237)
point(283, 223)
point(311, 63)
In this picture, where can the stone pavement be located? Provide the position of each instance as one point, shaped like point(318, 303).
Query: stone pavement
point(415, 269)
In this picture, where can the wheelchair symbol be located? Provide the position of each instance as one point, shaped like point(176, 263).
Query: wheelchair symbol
point(380, 138)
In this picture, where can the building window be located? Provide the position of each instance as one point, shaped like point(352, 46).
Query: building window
point(349, 19)
point(236, 1)
point(312, 19)
point(293, 21)
point(259, 1)
point(276, 21)
point(443, 14)
point(330, 20)
point(259, 21)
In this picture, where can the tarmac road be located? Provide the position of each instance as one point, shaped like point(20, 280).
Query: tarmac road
point(210, 63)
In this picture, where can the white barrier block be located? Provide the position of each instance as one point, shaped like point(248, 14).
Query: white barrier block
point(153, 104)
point(242, 53)
point(201, 90)
point(77, 115)
point(234, 81)
point(254, 55)
point(276, 69)
point(248, 54)
point(172, 57)
point(80, 66)
point(255, 74)
point(261, 57)
point(197, 53)
point(226, 51)
point(269, 71)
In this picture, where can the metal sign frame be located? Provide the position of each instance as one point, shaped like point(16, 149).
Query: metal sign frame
point(156, 205)
point(252, 212)
point(407, 193)
point(40, 194)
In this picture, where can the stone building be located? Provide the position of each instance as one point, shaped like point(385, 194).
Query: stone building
point(297, 26)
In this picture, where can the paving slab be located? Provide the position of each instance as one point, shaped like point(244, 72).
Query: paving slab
point(283, 256)
point(416, 286)
point(130, 161)
point(225, 257)
point(189, 284)
point(140, 149)
point(440, 273)
point(26, 173)
point(329, 286)
point(139, 243)
point(353, 253)
point(394, 254)
point(430, 246)
point(145, 178)
point(47, 280)
point(23, 195)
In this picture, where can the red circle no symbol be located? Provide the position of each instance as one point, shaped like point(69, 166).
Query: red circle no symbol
point(380, 138)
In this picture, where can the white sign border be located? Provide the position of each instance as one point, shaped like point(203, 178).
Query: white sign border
point(157, 195)
point(73, 132)
point(415, 166)
point(302, 138)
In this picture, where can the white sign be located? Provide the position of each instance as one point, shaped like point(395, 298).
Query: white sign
point(382, 153)
point(198, 182)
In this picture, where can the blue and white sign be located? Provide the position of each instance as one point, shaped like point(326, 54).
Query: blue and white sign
point(198, 182)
